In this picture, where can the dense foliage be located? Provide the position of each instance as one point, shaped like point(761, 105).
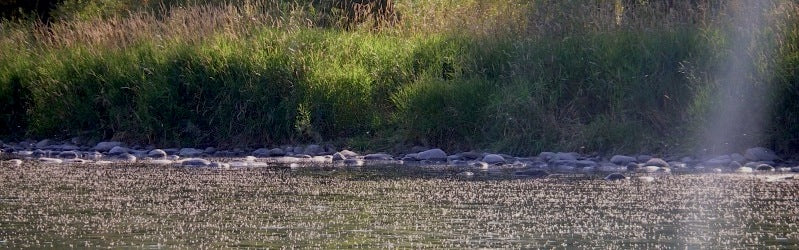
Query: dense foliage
point(512, 76)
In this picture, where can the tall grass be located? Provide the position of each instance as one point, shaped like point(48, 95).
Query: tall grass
point(511, 76)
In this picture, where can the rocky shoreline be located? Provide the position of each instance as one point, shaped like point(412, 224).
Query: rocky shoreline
point(110, 152)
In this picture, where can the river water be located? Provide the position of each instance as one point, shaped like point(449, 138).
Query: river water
point(388, 206)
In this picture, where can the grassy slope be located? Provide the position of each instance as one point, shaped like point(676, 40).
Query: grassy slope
point(258, 83)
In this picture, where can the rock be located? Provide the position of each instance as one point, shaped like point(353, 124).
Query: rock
point(546, 156)
point(737, 157)
point(171, 151)
point(410, 157)
point(126, 157)
point(67, 147)
point(650, 169)
point(156, 153)
point(353, 162)
point(303, 156)
point(632, 166)
point(106, 146)
point(494, 159)
point(209, 150)
point(68, 155)
point(313, 150)
point(195, 162)
point(298, 150)
point(24, 153)
point(378, 157)
point(118, 150)
point(480, 165)
point(220, 165)
point(764, 167)
point(14, 163)
point(43, 143)
point(39, 153)
point(615, 177)
point(432, 155)
point(173, 157)
point(744, 170)
point(160, 162)
point(455, 157)
point(561, 156)
point(471, 155)
point(277, 152)
point(538, 173)
point(466, 174)
point(718, 161)
point(795, 169)
point(348, 154)
point(734, 165)
point(586, 163)
point(93, 155)
point(262, 152)
point(458, 163)
point(75, 161)
point(657, 162)
point(77, 140)
point(717, 170)
point(339, 157)
point(417, 149)
point(257, 164)
point(760, 154)
point(190, 152)
point(621, 160)
point(50, 160)
point(646, 178)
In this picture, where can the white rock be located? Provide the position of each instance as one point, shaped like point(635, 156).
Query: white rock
point(160, 162)
point(50, 160)
point(14, 162)
point(744, 170)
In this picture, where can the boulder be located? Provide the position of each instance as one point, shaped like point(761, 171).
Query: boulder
point(156, 153)
point(190, 152)
point(118, 150)
point(262, 152)
point(760, 154)
point(657, 162)
point(764, 167)
point(313, 150)
point(621, 160)
point(106, 146)
point(379, 157)
point(43, 143)
point(494, 159)
point(432, 155)
point(277, 152)
point(561, 156)
point(68, 155)
point(195, 162)
point(339, 157)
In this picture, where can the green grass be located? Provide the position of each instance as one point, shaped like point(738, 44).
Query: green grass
point(535, 84)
